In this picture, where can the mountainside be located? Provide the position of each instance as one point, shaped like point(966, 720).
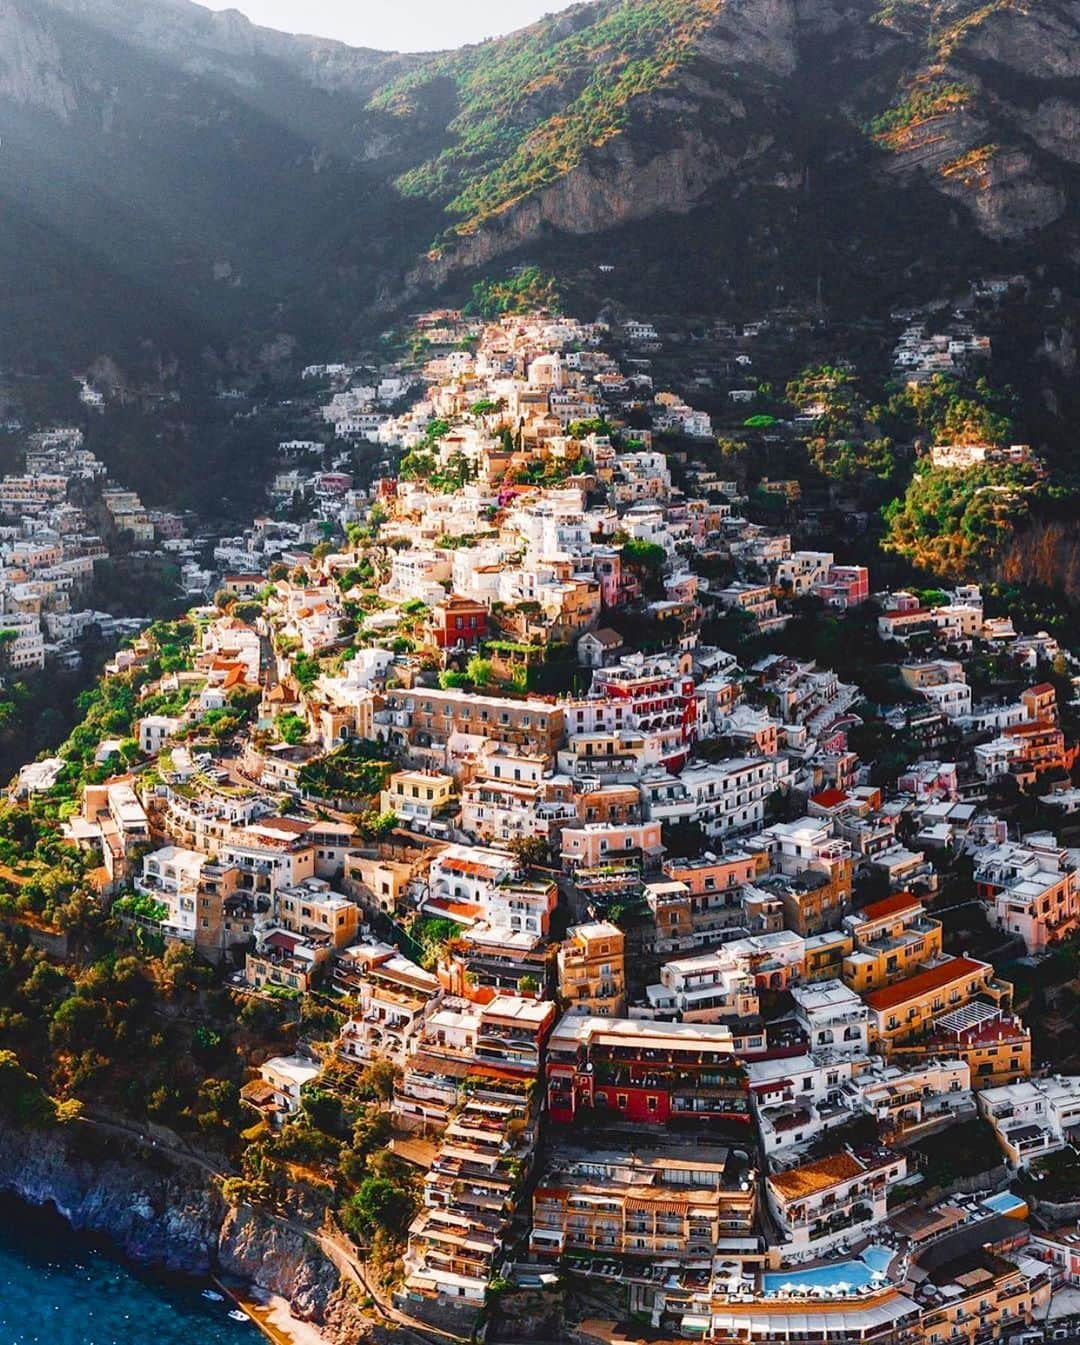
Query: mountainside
point(174, 179)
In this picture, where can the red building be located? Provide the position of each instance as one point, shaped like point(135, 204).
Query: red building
point(458, 623)
point(845, 586)
point(649, 695)
point(645, 1072)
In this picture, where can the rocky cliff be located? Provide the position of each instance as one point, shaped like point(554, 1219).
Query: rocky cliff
point(168, 1213)
point(291, 184)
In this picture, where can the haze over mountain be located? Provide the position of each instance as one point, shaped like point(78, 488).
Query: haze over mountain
point(173, 178)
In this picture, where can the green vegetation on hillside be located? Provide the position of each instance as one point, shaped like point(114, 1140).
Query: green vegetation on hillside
point(954, 522)
point(530, 106)
point(947, 411)
point(929, 99)
point(525, 292)
point(357, 771)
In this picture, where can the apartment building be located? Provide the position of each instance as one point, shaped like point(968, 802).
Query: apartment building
point(427, 717)
point(278, 1090)
point(833, 1017)
point(1033, 1117)
point(906, 1010)
point(470, 1193)
point(832, 1200)
point(505, 802)
point(592, 970)
point(1031, 889)
point(676, 1204)
point(642, 1071)
point(903, 1100)
point(795, 1099)
point(700, 901)
point(711, 988)
point(418, 798)
point(891, 938)
point(312, 909)
point(506, 1034)
point(393, 996)
point(171, 876)
point(824, 954)
point(269, 855)
point(722, 797)
point(462, 879)
point(598, 843)
point(993, 1043)
point(285, 961)
point(810, 870)
point(973, 1293)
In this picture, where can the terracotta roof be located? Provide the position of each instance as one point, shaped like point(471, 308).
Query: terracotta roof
point(922, 983)
point(469, 868)
point(295, 826)
point(1041, 689)
point(282, 942)
point(899, 901)
point(813, 1177)
point(829, 798)
point(1035, 726)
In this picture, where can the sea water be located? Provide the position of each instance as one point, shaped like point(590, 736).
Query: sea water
point(58, 1288)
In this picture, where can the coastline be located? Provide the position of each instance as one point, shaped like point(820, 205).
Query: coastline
point(164, 1222)
point(272, 1314)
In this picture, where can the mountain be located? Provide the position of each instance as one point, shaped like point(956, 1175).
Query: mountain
point(175, 180)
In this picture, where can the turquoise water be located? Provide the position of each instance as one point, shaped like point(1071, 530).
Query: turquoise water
point(58, 1289)
point(855, 1274)
point(1003, 1202)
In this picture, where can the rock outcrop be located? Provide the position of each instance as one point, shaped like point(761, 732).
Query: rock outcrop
point(291, 184)
point(168, 1213)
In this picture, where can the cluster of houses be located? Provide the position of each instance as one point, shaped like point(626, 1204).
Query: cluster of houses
point(59, 517)
point(687, 948)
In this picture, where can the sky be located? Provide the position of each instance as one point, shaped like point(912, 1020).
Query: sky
point(395, 25)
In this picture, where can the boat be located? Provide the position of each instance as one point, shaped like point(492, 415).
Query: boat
point(239, 1316)
point(213, 1296)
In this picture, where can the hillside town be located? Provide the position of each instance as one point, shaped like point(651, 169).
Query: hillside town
point(59, 518)
point(711, 968)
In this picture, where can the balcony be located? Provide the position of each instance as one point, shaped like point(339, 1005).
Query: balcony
point(824, 1228)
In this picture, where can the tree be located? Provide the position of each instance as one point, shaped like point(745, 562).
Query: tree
point(532, 850)
point(292, 729)
point(376, 1081)
point(22, 1099)
point(479, 671)
point(377, 826)
point(647, 559)
point(377, 1204)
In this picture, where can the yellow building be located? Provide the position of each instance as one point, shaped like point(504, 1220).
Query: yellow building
point(892, 938)
point(906, 1011)
point(376, 883)
point(676, 1206)
point(995, 1044)
point(825, 954)
point(592, 970)
point(418, 796)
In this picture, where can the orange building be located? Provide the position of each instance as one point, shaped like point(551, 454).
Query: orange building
point(592, 969)
point(906, 1011)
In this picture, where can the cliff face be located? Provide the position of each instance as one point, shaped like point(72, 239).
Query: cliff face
point(292, 184)
point(167, 1214)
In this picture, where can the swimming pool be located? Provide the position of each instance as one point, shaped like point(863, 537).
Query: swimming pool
point(1004, 1203)
point(855, 1274)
